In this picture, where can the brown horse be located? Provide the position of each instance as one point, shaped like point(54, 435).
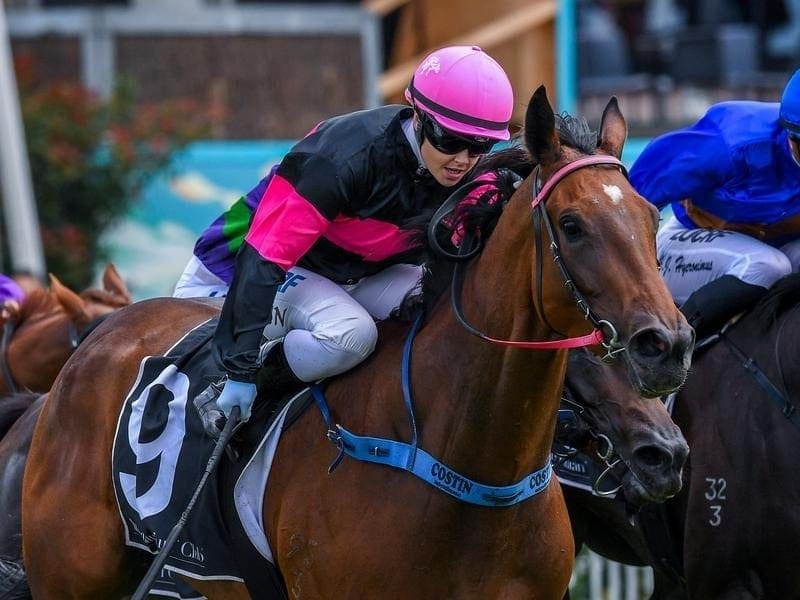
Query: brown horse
point(732, 531)
point(45, 329)
point(639, 430)
point(486, 410)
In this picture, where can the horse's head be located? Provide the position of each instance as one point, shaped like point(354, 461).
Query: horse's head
point(630, 431)
point(93, 303)
point(49, 325)
point(604, 233)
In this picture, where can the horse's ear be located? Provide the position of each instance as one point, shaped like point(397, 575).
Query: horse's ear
point(73, 304)
point(613, 129)
point(113, 283)
point(540, 129)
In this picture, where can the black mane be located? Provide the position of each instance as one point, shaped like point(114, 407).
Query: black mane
point(514, 162)
point(576, 133)
point(782, 296)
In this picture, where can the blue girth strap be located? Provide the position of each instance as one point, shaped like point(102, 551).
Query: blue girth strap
point(409, 457)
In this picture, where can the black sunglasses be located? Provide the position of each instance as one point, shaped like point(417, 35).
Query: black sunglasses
point(448, 142)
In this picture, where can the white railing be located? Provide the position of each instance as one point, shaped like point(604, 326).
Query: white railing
point(596, 578)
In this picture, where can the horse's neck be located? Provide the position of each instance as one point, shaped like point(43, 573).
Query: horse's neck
point(495, 408)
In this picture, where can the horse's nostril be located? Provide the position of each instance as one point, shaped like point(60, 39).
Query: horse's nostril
point(650, 343)
point(653, 457)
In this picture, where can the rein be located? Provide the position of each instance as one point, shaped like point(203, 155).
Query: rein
point(8, 330)
point(470, 248)
point(787, 408)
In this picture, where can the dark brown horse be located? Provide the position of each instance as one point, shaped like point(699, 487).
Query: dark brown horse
point(633, 459)
point(18, 414)
point(735, 524)
point(637, 442)
point(485, 410)
point(626, 429)
point(45, 329)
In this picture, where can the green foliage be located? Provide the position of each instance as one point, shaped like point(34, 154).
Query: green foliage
point(90, 157)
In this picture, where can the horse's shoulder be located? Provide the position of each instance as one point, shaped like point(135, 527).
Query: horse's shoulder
point(162, 309)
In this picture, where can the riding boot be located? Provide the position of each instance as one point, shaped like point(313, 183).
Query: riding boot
point(714, 304)
point(275, 377)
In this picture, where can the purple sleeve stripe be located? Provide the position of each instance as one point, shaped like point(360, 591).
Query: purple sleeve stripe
point(10, 290)
point(217, 246)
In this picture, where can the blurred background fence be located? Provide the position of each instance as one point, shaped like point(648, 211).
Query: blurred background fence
point(264, 73)
point(597, 578)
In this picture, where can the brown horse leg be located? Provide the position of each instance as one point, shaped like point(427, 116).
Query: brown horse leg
point(72, 535)
point(79, 550)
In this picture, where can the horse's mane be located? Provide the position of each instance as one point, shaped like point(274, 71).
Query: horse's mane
point(98, 296)
point(511, 163)
point(782, 296)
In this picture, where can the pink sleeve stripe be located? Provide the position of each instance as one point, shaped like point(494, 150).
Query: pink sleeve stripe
point(371, 239)
point(285, 225)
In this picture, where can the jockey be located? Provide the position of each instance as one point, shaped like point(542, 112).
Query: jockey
point(331, 247)
point(733, 182)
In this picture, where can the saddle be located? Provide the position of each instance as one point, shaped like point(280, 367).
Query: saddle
point(159, 454)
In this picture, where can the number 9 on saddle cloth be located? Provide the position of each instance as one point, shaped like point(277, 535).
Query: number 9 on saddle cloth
point(154, 479)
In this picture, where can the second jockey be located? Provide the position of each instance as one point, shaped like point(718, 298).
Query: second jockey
point(733, 182)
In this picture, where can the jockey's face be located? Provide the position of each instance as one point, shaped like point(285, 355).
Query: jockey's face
point(447, 169)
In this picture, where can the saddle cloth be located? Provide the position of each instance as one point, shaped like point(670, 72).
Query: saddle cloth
point(160, 453)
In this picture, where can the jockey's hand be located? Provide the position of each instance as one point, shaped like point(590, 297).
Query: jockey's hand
point(237, 393)
point(8, 309)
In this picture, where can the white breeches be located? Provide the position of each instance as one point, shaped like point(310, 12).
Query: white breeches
point(326, 328)
point(690, 258)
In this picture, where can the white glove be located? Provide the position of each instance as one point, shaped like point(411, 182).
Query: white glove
point(237, 393)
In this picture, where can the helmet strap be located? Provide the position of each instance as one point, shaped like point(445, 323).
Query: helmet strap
point(418, 128)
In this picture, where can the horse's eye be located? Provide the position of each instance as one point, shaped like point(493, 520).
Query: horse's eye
point(571, 227)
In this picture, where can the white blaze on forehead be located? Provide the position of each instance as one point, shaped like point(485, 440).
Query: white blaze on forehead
point(613, 192)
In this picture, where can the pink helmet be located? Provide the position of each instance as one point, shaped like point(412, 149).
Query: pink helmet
point(465, 90)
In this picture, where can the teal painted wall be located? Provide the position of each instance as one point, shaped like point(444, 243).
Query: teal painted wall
point(152, 246)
